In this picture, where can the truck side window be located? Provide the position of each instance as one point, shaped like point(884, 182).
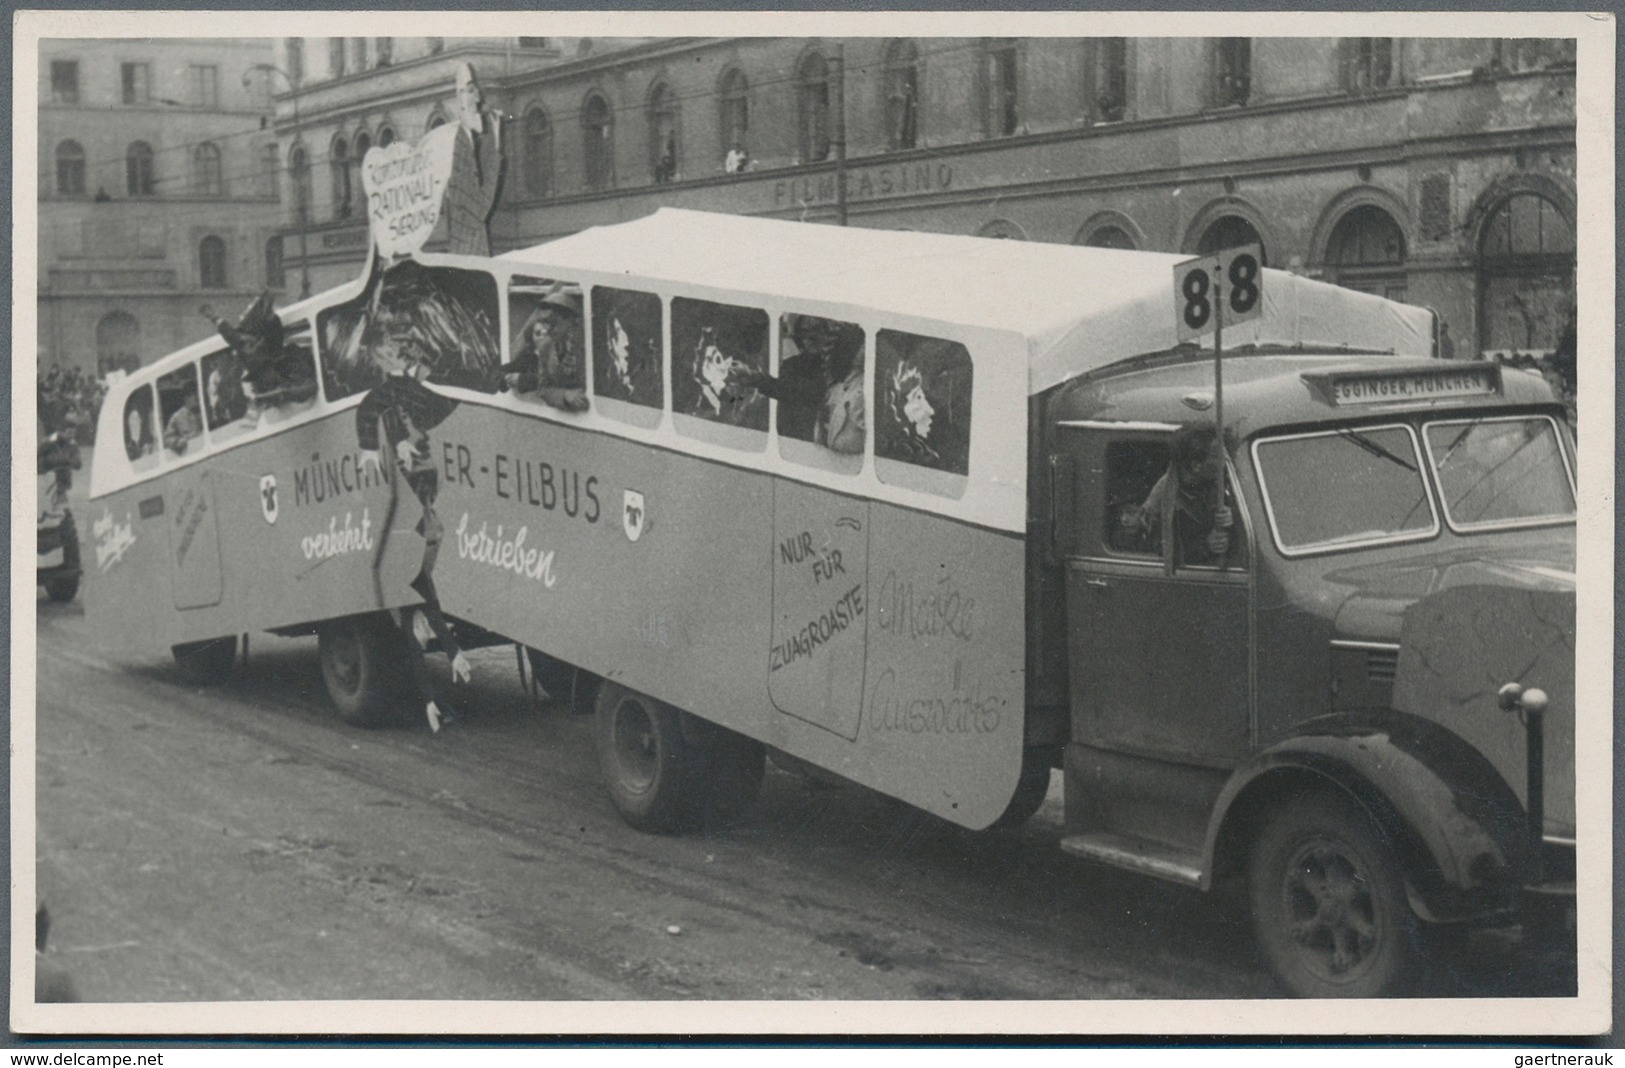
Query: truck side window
point(1132, 469)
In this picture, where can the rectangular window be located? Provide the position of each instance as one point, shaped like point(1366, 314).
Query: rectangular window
point(1500, 473)
point(818, 393)
point(444, 319)
point(922, 412)
point(1344, 489)
point(1232, 71)
point(1003, 84)
point(140, 437)
point(1109, 80)
point(717, 350)
point(205, 80)
point(1370, 63)
point(180, 409)
point(627, 342)
point(547, 352)
point(65, 81)
point(137, 82)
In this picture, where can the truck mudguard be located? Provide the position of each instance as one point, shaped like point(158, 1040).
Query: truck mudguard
point(1457, 822)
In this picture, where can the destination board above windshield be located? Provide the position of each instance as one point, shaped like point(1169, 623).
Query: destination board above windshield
point(1401, 387)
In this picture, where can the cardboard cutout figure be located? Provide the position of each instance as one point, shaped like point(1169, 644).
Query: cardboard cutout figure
point(476, 169)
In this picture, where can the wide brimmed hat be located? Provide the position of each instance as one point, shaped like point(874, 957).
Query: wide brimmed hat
point(565, 300)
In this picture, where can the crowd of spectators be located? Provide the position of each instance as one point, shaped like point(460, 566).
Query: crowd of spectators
point(69, 400)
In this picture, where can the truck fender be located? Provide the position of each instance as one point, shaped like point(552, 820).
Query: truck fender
point(1457, 825)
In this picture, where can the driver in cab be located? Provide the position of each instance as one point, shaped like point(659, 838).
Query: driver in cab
point(1182, 508)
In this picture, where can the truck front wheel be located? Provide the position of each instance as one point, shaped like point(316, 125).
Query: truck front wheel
point(1328, 902)
point(649, 768)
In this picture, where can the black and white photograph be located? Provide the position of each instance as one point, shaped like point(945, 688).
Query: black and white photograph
point(844, 525)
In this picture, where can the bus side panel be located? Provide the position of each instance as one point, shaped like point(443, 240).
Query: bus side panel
point(278, 532)
point(636, 563)
point(945, 688)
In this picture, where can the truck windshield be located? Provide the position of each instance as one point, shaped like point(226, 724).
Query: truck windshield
point(1500, 472)
point(1344, 488)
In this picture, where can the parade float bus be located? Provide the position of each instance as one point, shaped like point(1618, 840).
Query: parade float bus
point(1364, 715)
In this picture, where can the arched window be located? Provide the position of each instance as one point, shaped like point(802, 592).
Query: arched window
point(902, 95)
point(386, 136)
point(1108, 236)
point(1230, 231)
point(1526, 274)
point(299, 170)
point(1367, 252)
point(118, 342)
point(814, 111)
point(1232, 71)
point(536, 140)
point(598, 142)
point(662, 133)
point(211, 261)
point(1002, 87)
point(735, 99)
point(207, 177)
point(436, 119)
point(138, 171)
point(70, 169)
point(1002, 230)
point(339, 166)
point(358, 155)
point(276, 277)
point(335, 57)
point(296, 59)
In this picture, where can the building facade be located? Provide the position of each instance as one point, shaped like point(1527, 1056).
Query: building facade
point(1436, 171)
point(157, 194)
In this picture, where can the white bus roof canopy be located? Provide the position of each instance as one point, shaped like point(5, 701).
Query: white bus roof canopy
point(1078, 308)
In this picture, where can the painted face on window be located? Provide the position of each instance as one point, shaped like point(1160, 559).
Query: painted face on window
point(620, 352)
point(919, 410)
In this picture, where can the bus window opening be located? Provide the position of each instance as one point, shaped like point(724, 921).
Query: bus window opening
point(140, 442)
point(269, 366)
point(819, 388)
point(626, 330)
point(445, 316)
point(922, 412)
point(716, 351)
point(549, 352)
point(225, 405)
point(1494, 472)
point(180, 409)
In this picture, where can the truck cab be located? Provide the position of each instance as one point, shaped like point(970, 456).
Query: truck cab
point(1363, 709)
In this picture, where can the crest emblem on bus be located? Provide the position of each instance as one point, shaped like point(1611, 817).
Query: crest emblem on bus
point(632, 515)
point(268, 503)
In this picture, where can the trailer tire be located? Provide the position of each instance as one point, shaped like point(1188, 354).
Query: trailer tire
point(1329, 906)
point(650, 768)
point(363, 665)
point(207, 662)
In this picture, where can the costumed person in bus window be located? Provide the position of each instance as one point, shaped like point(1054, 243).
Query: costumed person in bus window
point(397, 415)
point(548, 360)
point(185, 424)
point(1182, 508)
point(476, 169)
point(820, 387)
point(273, 372)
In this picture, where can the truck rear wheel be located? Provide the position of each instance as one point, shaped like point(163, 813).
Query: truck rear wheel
point(667, 770)
point(648, 766)
point(206, 662)
point(1328, 903)
point(364, 666)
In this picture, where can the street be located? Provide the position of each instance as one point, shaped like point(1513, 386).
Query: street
point(241, 843)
